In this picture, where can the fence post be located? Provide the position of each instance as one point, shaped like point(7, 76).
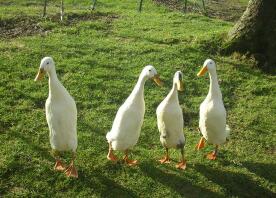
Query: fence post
point(61, 10)
point(44, 8)
point(185, 6)
point(140, 6)
point(203, 4)
point(94, 4)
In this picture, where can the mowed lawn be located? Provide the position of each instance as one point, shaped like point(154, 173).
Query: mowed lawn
point(99, 56)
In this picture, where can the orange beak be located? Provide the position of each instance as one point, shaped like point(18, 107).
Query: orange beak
point(39, 75)
point(180, 86)
point(157, 80)
point(202, 71)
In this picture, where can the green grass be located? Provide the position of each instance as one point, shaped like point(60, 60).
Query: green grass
point(98, 61)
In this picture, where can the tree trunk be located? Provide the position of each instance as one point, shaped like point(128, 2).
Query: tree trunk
point(255, 33)
point(44, 8)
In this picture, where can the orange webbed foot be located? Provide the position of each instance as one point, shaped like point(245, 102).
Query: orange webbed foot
point(211, 156)
point(71, 171)
point(59, 166)
point(110, 156)
point(165, 160)
point(130, 162)
point(181, 165)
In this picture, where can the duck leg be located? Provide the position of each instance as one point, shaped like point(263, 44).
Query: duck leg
point(110, 156)
point(165, 159)
point(182, 163)
point(71, 171)
point(128, 161)
point(59, 166)
point(200, 144)
point(213, 155)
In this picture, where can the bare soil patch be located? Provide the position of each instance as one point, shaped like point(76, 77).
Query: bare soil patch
point(31, 25)
point(227, 10)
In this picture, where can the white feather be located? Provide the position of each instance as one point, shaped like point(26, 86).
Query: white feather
point(127, 124)
point(61, 111)
point(212, 122)
point(170, 120)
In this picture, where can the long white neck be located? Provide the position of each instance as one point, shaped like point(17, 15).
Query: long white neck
point(138, 91)
point(56, 89)
point(173, 94)
point(214, 90)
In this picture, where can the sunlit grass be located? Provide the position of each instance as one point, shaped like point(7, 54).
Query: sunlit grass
point(98, 61)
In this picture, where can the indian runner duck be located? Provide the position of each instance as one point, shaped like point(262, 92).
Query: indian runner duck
point(170, 122)
point(127, 124)
point(212, 121)
point(61, 116)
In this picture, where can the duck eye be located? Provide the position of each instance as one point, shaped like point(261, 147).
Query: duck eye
point(47, 63)
point(180, 76)
point(150, 70)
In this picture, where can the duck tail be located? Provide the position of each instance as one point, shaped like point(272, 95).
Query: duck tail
point(108, 136)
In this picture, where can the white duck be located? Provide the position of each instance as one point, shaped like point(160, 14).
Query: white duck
point(61, 115)
point(127, 125)
point(212, 121)
point(170, 121)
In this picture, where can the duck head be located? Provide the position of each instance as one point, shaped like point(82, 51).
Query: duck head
point(209, 65)
point(178, 80)
point(150, 72)
point(46, 65)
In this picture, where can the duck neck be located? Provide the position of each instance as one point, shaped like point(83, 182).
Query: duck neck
point(214, 90)
point(138, 91)
point(55, 87)
point(173, 94)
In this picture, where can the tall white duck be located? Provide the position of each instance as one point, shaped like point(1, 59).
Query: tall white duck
point(127, 125)
point(212, 121)
point(61, 116)
point(170, 121)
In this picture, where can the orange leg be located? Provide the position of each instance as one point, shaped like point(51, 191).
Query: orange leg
point(165, 159)
point(128, 161)
point(200, 144)
point(110, 156)
point(71, 171)
point(182, 163)
point(59, 166)
point(213, 155)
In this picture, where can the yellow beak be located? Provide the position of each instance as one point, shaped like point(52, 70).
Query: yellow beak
point(39, 75)
point(202, 71)
point(157, 80)
point(180, 86)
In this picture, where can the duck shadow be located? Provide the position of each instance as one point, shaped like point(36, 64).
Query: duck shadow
point(266, 171)
point(176, 183)
point(100, 184)
point(234, 184)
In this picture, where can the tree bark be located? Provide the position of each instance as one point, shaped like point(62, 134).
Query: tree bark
point(255, 33)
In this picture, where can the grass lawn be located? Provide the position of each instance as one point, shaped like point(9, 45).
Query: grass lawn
point(99, 56)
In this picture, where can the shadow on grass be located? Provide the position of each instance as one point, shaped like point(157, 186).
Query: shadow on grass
point(100, 184)
point(45, 153)
point(177, 183)
point(266, 171)
point(250, 68)
point(235, 184)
